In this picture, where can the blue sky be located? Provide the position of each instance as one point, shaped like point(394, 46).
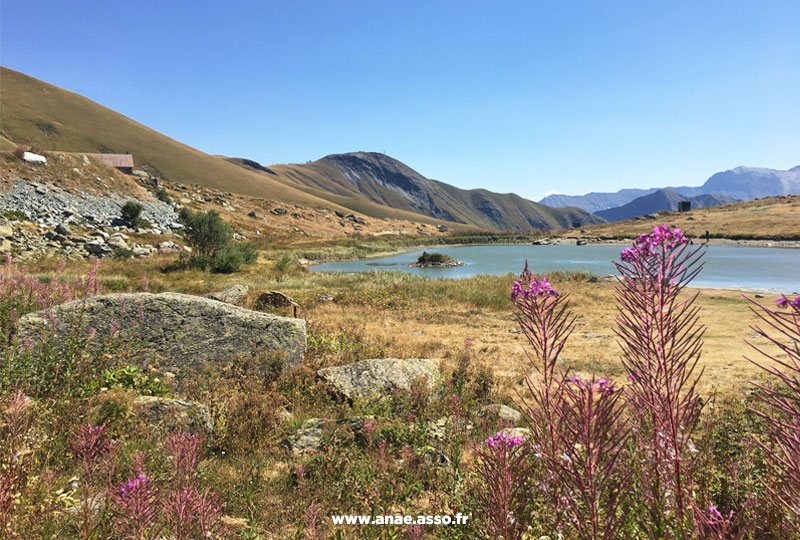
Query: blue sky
point(530, 97)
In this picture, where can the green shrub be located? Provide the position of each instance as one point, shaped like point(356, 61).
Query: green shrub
point(206, 232)
point(283, 264)
point(163, 196)
point(433, 258)
point(133, 378)
point(132, 214)
point(230, 258)
point(15, 215)
point(211, 240)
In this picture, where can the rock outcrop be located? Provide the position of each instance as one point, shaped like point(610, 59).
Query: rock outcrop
point(370, 379)
point(166, 415)
point(182, 331)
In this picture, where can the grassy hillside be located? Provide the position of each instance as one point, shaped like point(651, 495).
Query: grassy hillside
point(38, 113)
point(771, 217)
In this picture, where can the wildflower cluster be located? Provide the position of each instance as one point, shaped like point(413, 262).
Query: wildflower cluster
point(650, 244)
point(784, 302)
point(501, 439)
point(132, 485)
point(537, 288)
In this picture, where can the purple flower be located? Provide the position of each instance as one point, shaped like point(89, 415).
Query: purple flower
point(796, 303)
point(537, 288)
point(648, 244)
point(500, 439)
point(133, 484)
point(783, 302)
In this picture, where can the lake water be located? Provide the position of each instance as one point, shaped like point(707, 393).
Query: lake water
point(768, 269)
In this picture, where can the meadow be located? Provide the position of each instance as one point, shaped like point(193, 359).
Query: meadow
point(606, 384)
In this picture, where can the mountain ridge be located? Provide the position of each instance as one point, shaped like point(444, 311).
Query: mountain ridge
point(742, 183)
point(662, 199)
point(38, 113)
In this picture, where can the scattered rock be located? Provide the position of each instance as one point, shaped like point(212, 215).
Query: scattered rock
point(370, 379)
point(279, 211)
point(184, 332)
point(498, 410)
point(98, 247)
point(168, 415)
point(117, 242)
point(34, 159)
point(325, 298)
point(274, 299)
point(63, 229)
point(525, 433)
point(309, 436)
point(50, 204)
point(235, 294)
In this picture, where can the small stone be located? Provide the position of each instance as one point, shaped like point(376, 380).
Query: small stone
point(235, 294)
point(63, 229)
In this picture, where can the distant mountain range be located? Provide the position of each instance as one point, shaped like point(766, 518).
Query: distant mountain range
point(741, 183)
point(662, 199)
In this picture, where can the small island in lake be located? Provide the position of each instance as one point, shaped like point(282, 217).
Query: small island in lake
point(435, 260)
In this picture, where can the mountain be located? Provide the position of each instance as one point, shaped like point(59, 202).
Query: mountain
point(596, 201)
point(38, 113)
point(662, 199)
point(748, 183)
point(370, 177)
point(741, 183)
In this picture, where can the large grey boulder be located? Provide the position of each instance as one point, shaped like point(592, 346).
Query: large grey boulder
point(182, 331)
point(370, 379)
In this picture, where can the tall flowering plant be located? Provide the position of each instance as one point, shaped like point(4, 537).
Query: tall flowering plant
point(781, 404)
point(660, 338)
point(594, 438)
point(504, 468)
point(545, 320)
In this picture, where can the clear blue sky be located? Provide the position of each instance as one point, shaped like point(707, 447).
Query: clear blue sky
point(530, 97)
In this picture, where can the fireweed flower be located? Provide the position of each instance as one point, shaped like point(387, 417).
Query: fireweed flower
point(500, 439)
point(133, 484)
point(783, 302)
point(537, 288)
point(646, 245)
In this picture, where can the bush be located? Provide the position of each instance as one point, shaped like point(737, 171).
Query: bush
point(206, 232)
point(15, 215)
point(163, 196)
point(211, 240)
point(433, 258)
point(132, 214)
point(230, 258)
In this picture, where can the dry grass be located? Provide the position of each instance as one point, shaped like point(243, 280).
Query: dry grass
point(410, 316)
point(771, 217)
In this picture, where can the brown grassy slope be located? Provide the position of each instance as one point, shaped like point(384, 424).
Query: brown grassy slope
point(34, 112)
point(37, 113)
point(770, 217)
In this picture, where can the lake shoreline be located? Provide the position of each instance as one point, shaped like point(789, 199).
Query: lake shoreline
point(561, 241)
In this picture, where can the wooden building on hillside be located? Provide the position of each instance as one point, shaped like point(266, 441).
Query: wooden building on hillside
point(123, 162)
